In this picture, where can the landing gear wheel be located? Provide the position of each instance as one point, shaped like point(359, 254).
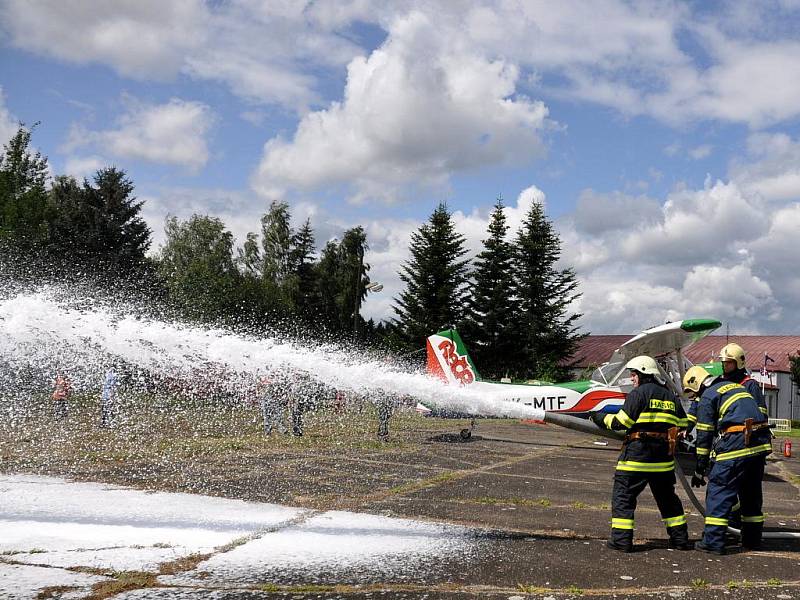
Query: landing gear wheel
point(465, 434)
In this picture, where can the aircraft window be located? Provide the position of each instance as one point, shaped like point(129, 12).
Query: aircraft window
point(609, 372)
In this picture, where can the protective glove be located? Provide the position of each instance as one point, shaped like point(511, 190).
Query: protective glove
point(702, 465)
point(698, 480)
point(597, 419)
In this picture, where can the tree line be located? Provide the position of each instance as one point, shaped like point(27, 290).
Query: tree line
point(511, 303)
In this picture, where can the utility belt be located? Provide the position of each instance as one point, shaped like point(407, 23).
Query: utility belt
point(748, 427)
point(670, 436)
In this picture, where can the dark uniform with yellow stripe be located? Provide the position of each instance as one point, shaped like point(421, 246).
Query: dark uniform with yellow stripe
point(652, 414)
point(742, 377)
point(733, 433)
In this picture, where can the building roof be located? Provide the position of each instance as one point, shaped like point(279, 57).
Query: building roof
point(596, 349)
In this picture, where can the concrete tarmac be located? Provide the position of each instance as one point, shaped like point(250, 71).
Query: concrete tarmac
point(533, 502)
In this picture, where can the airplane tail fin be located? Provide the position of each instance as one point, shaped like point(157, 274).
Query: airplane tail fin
point(448, 359)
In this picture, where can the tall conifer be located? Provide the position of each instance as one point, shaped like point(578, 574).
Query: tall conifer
point(435, 277)
point(547, 331)
point(490, 327)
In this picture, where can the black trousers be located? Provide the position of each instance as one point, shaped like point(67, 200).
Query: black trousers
point(627, 487)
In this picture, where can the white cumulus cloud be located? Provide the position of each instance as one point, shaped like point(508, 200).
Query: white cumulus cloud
point(416, 110)
point(174, 133)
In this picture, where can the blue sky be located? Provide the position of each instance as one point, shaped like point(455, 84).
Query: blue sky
point(663, 137)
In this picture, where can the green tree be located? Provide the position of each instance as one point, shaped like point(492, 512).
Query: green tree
point(24, 212)
point(547, 331)
point(353, 278)
point(197, 266)
point(327, 293)
point(302, 268)
point(98, 225)
point(250, 260)
point(435, 278)
point(492, 309)
point(276, 241)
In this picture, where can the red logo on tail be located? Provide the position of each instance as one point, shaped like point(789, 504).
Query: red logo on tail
point(459, 366)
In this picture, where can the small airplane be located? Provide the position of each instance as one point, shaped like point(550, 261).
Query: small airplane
point(449, 361)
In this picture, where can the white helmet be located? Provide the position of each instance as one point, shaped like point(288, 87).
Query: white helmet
point(644, 365)
point(733, 352)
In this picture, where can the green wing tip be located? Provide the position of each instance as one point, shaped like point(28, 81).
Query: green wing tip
point(700, 324)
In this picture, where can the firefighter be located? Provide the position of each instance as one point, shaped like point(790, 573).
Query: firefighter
point(733, 437)
point(733, 369)
point(652, 416)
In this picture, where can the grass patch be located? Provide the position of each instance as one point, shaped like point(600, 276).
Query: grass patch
point(731, 585)
point(579, 504)
point(513, 501)
point(574, 589)
point(183, 564)
point(531, 589)
point(414, 486)
point(699, 583)
point(123, 581)
point(54, 591)
point(773, 581)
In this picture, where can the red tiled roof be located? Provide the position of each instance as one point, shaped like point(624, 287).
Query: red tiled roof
point(596, 349)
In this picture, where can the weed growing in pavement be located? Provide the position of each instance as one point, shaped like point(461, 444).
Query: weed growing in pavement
point(122, 581)
point(574, 589)
point(513, 501)
point(579, 504)
point(699, 583)
point(54, 591)
point(531, 589)
point(773, 581)
point(414, 486)
point(732, 585)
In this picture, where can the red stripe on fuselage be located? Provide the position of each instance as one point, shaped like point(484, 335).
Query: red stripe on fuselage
point(593, 398)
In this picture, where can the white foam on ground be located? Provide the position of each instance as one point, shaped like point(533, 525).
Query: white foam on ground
point(357, 547)
point(54, 524)
point(22, 582)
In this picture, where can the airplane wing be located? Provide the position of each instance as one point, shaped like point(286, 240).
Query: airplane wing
point(668, 341)
point(670, 337)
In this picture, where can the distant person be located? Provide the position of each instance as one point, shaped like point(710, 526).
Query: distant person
point(108, 399)
point(385, 403)
point(61, 396)
point(273, 402)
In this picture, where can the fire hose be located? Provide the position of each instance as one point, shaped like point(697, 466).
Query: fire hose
point(586, 426)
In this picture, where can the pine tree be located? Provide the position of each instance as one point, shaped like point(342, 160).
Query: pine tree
point(24, 214)
point(302, 267)
point(435, 278)
point(547, 333)
point(98, 226)
point(492, 310)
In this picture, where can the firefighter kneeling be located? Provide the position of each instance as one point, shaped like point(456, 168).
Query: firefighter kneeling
point(733, 436)
point(652, 416)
